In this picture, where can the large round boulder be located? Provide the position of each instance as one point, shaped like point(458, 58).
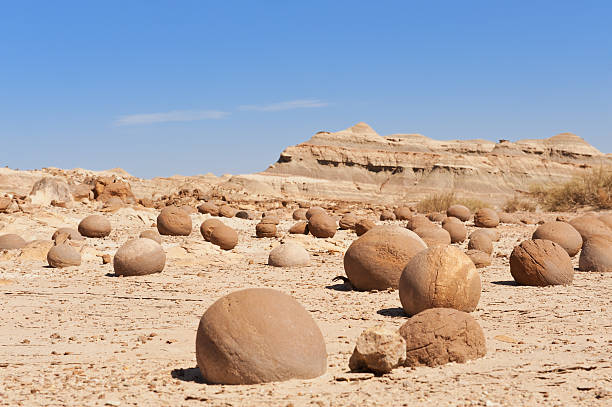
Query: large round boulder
point(11, 241)
point(375, 260)
point(173, 221)
point(561, 233)
point(259, 335)
point(456, 230)
point(439, 277)
point(322, 225)
point(315, 210)
point(460, 212)
point(486, 218)
point(590, 225)
point(289, 254)
point(596, 254)
point(433, 235)
point(95, 226)
point(265, 230)
point(138, 257)
point(438, 336)
point(540, 263)
point(480, 241)
point(63, 255)
point(207, 227)
point(224, 236)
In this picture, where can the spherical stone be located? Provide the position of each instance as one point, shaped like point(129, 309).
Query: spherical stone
point(300, 214)
point(259, 335)
point(63, 255)
point(439, 277)
point(493, 234)
point(313, 211)
point(509, 218)
point(224, 236)
point(265, 230)
point(95, 226)
point(173, 221)
point(73, 234)
point(456, 230)
point(606, 219)
point(139, 257)
point(363, 226)
point(402, 213)
point(209, 208)
point(11, 241)
point(486, 218)
point(433, 235)
point(322, 225)
point(348, 221)
point(376, 259)
point(460, 212)
point(207, 227)
point(480, 241)
point(387, 215)
point(438, 336)
point(436, 217)
point(561, 233)
point(300, 228)
point(418, 221)
point(480, 259)
point(289, 254)
point(451, 219)
point(590, 225)
point(378, 350)
point(152, 234)
point(227, 211)
point(540, 263)
point(596, 254)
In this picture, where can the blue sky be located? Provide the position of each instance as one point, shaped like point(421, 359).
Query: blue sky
point(189, 87)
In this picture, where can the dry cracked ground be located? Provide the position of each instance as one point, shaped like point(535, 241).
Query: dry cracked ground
point(82, 337)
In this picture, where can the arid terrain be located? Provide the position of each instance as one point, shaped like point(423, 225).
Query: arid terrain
point(81, 336)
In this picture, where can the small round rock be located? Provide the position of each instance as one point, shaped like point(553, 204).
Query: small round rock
point(63, 255)
point(95, 226)
point(265, 230)
point(173, 221)
point(224, 236)
point(289, 254)
point(460, 212)
point(207, 227)
point(322, 225)
point(139, 257)
point(486, 218)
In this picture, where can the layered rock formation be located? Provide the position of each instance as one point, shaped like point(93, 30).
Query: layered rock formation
point(358, 163)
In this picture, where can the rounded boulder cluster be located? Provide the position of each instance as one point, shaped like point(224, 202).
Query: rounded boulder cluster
point(375, 260)
point(139, 257)
point(282, 342)
point(439, 277)
point(540, 263)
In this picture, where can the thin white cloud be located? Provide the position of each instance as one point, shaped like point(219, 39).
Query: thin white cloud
point(173, 116)
point(290, 105)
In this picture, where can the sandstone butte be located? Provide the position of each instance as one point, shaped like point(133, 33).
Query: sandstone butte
point(357, 164)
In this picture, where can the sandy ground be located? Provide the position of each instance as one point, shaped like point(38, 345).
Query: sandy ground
point(82, 337)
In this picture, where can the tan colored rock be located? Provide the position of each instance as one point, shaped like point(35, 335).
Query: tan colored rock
point(481, 242)
point(63, 255)
point(265, 230)
point(418, 221)
point(259, 335)
point(107, 187)
point(81, 192)
point(439, 277)
point(561, 233)
point(270, 218)
point(227, 211)
point(209, 208)
point(348, 221)
point(596, 254)
point(289, 254)
point(207, 227)
point(540, 263)
point(460, 212)
point(95, 226)
point(139, 257)
point(322, 225)
point(480, 259)
point(508, 218)
point(50, 189)
point(387, 215)
point(300, 228)
point(152, 234)
point(438, 336)
point(173, 221)
point(456, 230)
point(436, 217)
point(36, 250)
point(378, 350)
point(5, 203)
point(363, 226)
point(590, 225)
point(492, 233)
point(402, 213)
point(300, 214)
point(433, 235)
point(486, 218)
point(73, 234)
point(112, 204)
point(224, 236)
point(314, 211)
point(376, 259)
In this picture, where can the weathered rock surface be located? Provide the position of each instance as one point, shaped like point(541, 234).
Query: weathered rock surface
point(289, 254)
point(561, 233)
point(378, 350)
point(50, 189)
point(173, 221)
point(11, 241)
point(63, 255)
point(540, 263)
point(596, 254)
point(139, 257)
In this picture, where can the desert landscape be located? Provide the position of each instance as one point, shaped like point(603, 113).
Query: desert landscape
point(358, 269)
